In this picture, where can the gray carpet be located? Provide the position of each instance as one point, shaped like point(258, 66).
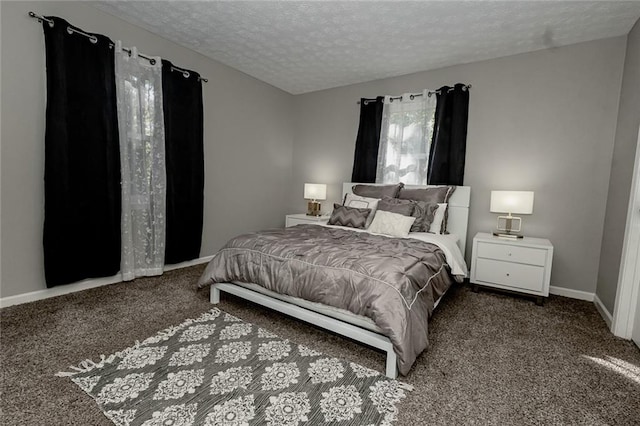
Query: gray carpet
point(494, 359)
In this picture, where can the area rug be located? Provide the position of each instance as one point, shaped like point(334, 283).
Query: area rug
point(220, 370)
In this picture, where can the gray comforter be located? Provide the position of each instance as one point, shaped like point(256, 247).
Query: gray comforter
point(393, 281)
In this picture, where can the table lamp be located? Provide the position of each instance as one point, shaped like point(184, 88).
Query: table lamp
point(519, 202)
point(314, 192)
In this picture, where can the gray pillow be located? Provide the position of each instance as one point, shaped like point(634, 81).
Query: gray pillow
point(377, 191)
point(395, 205)
point(352, 217)
point(438, 194)
point(353, 200)
point(424, 214)
point(423, 211)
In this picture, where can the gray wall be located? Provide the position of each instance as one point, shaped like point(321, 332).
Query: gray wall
point(624, 153)
point(542, 121)
point(248, 139)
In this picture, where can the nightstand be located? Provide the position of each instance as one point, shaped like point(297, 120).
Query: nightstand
point(522, 265)
point(300, 219)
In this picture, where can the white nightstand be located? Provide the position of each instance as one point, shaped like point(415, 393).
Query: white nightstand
point(522, 265)
point(299, 219)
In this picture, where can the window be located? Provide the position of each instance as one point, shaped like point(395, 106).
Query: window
point(405, 138)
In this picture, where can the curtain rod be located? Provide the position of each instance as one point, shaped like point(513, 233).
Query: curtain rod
point(412, 96)
point(94, 40)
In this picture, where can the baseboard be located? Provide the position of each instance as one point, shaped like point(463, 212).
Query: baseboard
point(99, 282)
point(574, 294)
point(193, 262)
point(583, 295)
point(83, 285)
point(604, 312)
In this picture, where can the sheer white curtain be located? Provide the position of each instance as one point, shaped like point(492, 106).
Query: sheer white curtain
point(405, 138)
point(142, 160)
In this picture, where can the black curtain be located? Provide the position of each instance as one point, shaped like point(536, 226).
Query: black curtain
point(449, 143)
point(82, 158)
point(365, 159)
point(183, 127)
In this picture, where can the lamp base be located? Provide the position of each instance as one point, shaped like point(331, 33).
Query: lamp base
point(508, 235)
point(511, 224)
point(313, 209)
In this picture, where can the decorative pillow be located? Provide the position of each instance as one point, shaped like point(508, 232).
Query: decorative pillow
point(437, 194)
point(395, 205)
point(377, 191)
point(349, 216)
point(438, 224)
point(352, 200)
point(424, 213)
point(392, 224)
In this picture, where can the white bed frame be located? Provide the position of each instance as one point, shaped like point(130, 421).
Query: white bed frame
point(457, 224)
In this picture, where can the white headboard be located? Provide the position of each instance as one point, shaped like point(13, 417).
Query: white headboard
point(458, 208)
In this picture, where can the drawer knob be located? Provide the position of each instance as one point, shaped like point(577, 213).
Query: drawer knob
point(507, 274)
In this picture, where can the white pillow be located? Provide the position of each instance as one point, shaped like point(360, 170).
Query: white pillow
point(353, 200)
point(438, 218)
point(393, 224)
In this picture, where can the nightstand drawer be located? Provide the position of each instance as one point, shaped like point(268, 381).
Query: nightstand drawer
point(512, 253)
point(514, 275)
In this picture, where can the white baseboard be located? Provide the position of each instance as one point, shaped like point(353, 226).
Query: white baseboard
point(193, 262)
point(574, 294)
point(583, 295)
point(83, 285)
point(604, 312)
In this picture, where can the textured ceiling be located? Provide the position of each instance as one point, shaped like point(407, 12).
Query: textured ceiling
point(306, 46)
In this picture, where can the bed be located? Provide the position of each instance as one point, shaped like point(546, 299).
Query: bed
point(377, 290)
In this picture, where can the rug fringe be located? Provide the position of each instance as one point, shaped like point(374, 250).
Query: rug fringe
point(405, 386)
point(85, 366)
point(88, 364)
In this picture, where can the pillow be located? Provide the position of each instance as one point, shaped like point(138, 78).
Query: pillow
point(377, 191)
point(438, 224)
point(392, 224)
point(438, 194)
point(435, 194)
point(349, 216)
point(395, 205)
point(421, 210)
point(424, 213)
point(352, 200)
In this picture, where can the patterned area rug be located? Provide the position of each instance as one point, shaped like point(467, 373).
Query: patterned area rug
point(220, 370)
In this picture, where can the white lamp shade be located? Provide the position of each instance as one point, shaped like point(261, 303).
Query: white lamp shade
point(315, 191)
point(520, 202)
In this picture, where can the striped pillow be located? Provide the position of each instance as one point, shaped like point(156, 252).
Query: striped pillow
point(352, 217)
